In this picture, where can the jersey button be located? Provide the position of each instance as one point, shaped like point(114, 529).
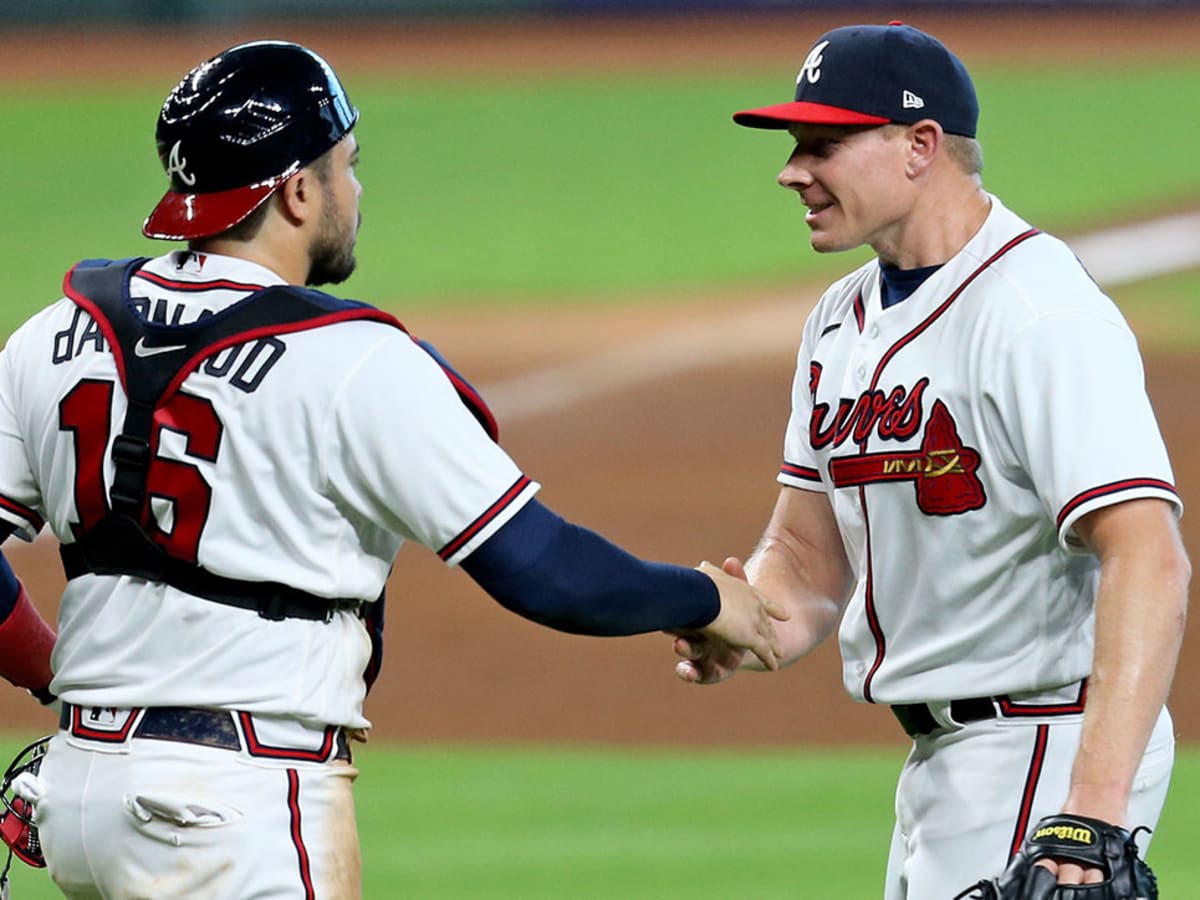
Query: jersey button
point(874, 332)
point(861, 373)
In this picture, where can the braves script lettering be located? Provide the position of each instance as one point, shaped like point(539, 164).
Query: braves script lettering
point(894, 415)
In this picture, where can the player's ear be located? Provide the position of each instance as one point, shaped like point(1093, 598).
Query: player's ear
point(925, 138)
point(297, 196)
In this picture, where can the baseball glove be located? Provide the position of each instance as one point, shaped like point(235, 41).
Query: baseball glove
point(17, 827)
point(1088, 842)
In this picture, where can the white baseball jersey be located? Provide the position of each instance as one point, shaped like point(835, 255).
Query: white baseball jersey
point(959, 435)
point(324, 450)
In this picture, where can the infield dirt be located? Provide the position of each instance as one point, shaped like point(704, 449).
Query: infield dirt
point(678, 469)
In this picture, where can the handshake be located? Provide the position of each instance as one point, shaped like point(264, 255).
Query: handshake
point(746, 622)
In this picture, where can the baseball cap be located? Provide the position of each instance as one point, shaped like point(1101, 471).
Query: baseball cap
point(236, 128)
point(873, 75)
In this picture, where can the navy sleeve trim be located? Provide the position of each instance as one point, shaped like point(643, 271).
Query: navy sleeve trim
point(571, 579)
point(10, 588)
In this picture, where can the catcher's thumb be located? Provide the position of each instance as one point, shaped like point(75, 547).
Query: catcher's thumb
point(733, 566)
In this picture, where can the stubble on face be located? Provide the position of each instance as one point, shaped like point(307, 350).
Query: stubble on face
point(332, 252)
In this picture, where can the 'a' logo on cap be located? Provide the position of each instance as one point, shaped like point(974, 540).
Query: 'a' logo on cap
point(812, 64)
point(176, 164)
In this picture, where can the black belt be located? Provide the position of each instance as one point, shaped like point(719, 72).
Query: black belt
point(196, 725)
point(918, 721)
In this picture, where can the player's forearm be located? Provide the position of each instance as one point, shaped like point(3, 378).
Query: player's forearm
point(571, 579)
point(812, 587)
point(1141, 610)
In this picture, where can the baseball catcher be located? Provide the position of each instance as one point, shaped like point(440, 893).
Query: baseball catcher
point(1089, 842)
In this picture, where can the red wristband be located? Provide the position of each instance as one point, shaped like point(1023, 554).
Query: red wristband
point(25, 644)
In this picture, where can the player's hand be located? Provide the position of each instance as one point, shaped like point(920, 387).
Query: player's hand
point(704, 661)
point(745, 619)
point(1067, 872)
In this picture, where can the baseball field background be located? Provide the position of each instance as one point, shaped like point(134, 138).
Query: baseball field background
point(565, 209)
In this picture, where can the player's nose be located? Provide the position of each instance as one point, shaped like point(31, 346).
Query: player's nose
point(795, 175)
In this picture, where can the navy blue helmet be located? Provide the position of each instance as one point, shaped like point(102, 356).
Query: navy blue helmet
point(236, 128)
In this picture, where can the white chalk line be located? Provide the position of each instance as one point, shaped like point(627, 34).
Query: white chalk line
point(1114, 257)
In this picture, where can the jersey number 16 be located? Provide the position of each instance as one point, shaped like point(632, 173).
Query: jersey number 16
point(178, 497)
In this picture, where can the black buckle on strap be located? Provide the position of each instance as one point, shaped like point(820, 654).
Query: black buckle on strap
point(131, 451)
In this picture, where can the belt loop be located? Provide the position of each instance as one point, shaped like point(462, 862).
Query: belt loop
point(271, 607)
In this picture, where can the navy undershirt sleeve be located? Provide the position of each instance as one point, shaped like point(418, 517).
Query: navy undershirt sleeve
point(10, 588)
point(571, 579)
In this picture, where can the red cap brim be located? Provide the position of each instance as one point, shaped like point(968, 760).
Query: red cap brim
point(781, 115)
point(184, 217)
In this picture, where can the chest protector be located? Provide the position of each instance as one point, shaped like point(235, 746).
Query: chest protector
point(119, 543)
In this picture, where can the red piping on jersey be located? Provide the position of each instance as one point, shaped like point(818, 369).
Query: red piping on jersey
point(492, 511)
point(92, 734)
point(872, 613)
point(1036, 761)
point(869, 603)
point(256, 748)
point(860, 312)
point(220, 284)
point(1113, 488)
point(794, 471)
point(937, 313)
point(24, 512)
point(1012, 710)
point(293, 801)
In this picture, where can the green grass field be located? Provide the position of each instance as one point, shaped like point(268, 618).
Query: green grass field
point(542, 823)
point(572, 190)
point(602, 191)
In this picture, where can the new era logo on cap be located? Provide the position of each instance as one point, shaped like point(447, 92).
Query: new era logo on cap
point(872, 75)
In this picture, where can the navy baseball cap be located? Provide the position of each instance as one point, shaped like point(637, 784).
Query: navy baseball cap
point(873, 75)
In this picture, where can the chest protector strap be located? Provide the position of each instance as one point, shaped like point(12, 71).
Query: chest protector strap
point(119, 544)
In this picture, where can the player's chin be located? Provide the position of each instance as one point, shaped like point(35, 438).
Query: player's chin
point(331, 269)
point(825, 240)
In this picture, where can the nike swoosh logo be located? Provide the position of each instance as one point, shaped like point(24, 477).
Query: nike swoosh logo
point(140, 348)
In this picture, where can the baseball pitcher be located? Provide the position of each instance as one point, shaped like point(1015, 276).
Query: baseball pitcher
point(976, 495)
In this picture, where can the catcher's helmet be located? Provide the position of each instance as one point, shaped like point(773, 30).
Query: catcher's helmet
point(17, 827)
point(238, 126)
